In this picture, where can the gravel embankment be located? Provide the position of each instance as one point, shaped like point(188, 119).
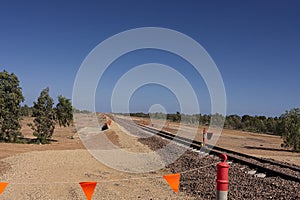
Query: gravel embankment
point(201, 183)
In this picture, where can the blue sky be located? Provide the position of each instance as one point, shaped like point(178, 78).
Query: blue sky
point(255, 44)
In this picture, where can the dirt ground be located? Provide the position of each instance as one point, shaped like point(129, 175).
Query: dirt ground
point(53, 171)
point(61, 142)
point(261, 145)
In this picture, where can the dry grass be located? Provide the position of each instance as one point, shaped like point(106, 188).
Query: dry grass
point(61, 139)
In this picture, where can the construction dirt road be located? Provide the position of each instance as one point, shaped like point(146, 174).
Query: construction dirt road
point(54, 171)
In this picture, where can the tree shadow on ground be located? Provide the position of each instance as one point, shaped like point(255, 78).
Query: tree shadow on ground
point(29, 141)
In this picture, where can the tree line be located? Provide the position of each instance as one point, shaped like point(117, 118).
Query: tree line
point(286, 125)
point(46, 116)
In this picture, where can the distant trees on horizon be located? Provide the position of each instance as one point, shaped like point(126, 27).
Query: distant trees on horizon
point(46, 116)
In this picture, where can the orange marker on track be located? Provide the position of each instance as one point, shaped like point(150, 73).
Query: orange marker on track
point(173, 180)
point(88, 189)
point(3, 186)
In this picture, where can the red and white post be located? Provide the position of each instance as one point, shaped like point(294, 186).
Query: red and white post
point(222, 178)
point(204, 137)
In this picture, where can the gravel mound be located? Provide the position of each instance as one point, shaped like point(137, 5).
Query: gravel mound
point(201, 183)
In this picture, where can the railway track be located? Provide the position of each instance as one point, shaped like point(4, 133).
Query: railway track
point(269, 167)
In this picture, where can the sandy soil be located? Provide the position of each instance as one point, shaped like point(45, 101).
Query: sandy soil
point(53, 171)
point(61, 141)
point(261, 145)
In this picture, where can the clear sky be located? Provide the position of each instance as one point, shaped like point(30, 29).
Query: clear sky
point(255, 44)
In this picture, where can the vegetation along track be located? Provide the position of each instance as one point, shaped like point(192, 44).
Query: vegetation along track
point(270, 167)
